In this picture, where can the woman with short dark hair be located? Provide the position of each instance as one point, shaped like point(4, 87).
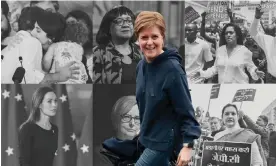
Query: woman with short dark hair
point(116, 56)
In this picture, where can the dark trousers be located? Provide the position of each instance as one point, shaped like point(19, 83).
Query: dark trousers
point(270, 79)
point(271, 161)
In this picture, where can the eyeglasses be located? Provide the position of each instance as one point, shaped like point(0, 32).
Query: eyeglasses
point(128, 118)
point(121, 21)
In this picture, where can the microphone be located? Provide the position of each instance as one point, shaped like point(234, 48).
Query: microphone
point(2, 57)
point(18, 75)
point(21, 60)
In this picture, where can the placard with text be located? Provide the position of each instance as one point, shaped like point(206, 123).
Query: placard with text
point(226, 154)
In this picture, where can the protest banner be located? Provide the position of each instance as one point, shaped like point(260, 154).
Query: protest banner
point(217, 11)
point(269, 5)
point(214, 95)
point(226, 153)
point(244, 95)
point(239, 22)
point(215, 91)
point(190, 15)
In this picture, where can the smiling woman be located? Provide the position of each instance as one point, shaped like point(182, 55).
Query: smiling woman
point(163, 97)
point(233, 132)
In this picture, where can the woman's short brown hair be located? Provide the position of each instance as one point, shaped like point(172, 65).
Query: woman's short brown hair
point(147, 19)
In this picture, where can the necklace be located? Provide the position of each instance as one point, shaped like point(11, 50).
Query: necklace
point(124, 51)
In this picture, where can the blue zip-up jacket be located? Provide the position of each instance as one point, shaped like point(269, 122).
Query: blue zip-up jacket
point(164, 102)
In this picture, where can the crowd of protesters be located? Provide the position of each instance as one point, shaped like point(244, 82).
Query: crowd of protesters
point(236, 126)
point(229, 52)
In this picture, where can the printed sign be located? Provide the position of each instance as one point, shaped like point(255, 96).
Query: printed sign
point(215, 91)
point(239, 22)
point(267, 6)
point(190, 15)
point(226, 153)
point(244, 95)
point(217, 11)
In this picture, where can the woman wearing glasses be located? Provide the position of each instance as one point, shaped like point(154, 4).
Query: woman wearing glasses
point(116, 55)
point(125, 118)
point(126, 123)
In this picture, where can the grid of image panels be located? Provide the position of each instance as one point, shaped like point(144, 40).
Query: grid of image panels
point(199, 92)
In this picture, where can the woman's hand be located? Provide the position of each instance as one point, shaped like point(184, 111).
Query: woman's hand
point(258, 12)
point(67, 72)
point(241, 114)
point(260, 74)
point(203, 15)
point(229, 12)
point(184, 156)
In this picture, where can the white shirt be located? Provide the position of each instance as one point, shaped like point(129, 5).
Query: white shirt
point(30, 49)
point(268, 44)
point(66, 52)
point(196, 54)
point(231, 69)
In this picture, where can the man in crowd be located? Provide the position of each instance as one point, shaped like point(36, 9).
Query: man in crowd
point(267, 42)
point(259, 128)
point(215, 124)
point(272, 145)
point(198, 54)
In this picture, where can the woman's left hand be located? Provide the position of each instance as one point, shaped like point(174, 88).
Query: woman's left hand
point(184, 156)
point(260, 74)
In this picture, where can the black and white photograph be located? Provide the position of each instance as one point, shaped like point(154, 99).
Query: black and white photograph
point(116, 50)
point(46, 125)
point(230, 42)
point(46, 42)
point(116, 124)
point(237, 123)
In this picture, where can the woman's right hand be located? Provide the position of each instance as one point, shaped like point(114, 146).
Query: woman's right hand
point(258, 12)
point(69, 71)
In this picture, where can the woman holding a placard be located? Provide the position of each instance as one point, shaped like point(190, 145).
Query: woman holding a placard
point(234, 133)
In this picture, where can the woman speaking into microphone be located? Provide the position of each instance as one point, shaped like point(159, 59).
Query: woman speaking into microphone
point(38, 137)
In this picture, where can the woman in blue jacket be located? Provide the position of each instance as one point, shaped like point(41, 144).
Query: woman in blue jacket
point(163, 97)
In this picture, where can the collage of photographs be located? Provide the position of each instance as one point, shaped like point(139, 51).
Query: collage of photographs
point(138, 83)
